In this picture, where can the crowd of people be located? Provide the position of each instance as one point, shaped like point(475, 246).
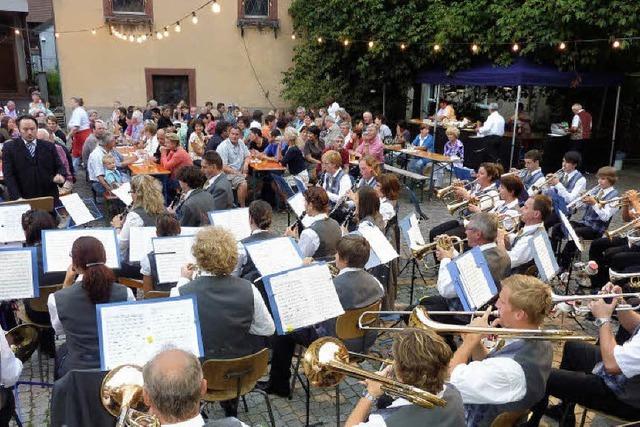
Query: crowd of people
point(337, 162)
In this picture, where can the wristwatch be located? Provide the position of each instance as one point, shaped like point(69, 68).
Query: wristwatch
point(601, 321)
point(369, 396)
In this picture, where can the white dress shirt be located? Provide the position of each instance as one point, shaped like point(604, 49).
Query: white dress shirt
point(132, 220)
point(521, 253)
point(627, 356)
point(196, 421)
point(10, 365)
point(309, 241)
point(152, 145)
point(607, 211)
point(95, 168)
point(79, 118)
point(242, 255)
point(345, 185)
point(493, 126)
point(53, 310)
point(490, 381)
point(262, 322)
point(445, 285)
point(386, 210)
point(537, 183)
point(503, 208)
point(570, 196)
point(211, 181)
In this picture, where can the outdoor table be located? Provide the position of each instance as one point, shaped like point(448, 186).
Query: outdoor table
point(263, 167)
point(439, 161)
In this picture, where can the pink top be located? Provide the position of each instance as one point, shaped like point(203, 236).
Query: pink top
point(375, 148)
point(65, 162)
point(174, 160)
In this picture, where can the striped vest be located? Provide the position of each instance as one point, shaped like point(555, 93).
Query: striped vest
point(592, 219)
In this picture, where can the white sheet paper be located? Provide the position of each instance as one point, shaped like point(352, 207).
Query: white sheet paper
point(57, 246)
point(304, 297)
point(135, 332)
point(572, 233)
point(171, 254)
point(123, 193)
point(415, 236)
point(297, 203)
point(473, 281)
point(11, 223)
point(16, 280)
point(540, 247)
point(274, 255)
point(234, 220)
point(379, 243)
point(77, 209)
point(140, 240)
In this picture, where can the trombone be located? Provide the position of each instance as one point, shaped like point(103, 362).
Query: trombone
point(538, 188)
point(121, 396)
point(623, 230)
point(419, 318)
point(326, 363)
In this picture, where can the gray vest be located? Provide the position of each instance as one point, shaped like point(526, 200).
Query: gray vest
point(530, 179)
point(225, 309)
point(148, 219)
point(451, 415)
point(591, 217)
point(329, 233)
point(535, 358)
point(78, 317)
point(249, 270)
point(332, 184)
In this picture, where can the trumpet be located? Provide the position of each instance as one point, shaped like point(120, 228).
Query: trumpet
point(538, 188)
point(520, 173)
point(633, 278)
point(580, 200)
point(419, 318)
point(623, 230)
point(443, 241)
point(475, 200)
point(615, 202)
point(448, 193)
point(509, 223)
point(326, 363)
point(121, 396)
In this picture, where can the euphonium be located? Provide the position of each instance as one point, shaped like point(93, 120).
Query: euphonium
point(121, 395)
point(326, 363)
point(623, 230)
point(443, 241)
point(23, 340)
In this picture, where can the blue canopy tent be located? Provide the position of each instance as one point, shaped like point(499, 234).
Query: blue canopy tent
point(524, 73)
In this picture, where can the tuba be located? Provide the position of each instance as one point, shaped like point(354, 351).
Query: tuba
point(121, 396)
point(23, 340)
point(326, 363)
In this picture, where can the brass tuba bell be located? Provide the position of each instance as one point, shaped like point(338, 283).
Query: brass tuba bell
point(23, 340)
point(121, 396)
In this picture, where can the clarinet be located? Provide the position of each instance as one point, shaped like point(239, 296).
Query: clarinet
point(298, 224)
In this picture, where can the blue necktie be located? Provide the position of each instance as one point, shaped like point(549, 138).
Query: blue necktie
point(31, 146)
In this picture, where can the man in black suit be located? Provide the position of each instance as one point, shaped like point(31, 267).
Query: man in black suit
point(195, 202)
point(31, 167)
point(217, 183)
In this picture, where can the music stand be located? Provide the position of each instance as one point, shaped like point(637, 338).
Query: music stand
point(61, 212)
point(37, 203)
point(405, 224)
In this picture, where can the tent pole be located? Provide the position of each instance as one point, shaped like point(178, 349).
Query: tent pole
point(515, 126)
point(615, 125)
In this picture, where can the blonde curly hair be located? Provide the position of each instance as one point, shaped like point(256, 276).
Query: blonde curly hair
point(148, 194)
point(215, 251)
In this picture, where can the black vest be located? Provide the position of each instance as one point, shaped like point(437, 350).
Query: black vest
point(535, 358)
point(78, 317)
point(450, 415)
point(225, 309)
point(329, 233)
point(148, 219)
point(249, 270)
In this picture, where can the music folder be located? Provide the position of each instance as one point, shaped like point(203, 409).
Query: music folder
point(472, 279)
point(20, 273)
point(544, 256)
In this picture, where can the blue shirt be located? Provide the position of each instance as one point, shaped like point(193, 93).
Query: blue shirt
point(428, 142)
point(272, 149)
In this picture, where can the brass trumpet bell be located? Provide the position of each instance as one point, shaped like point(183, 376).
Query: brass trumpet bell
point(121, 396)
point(454, 207)
point(23, 340)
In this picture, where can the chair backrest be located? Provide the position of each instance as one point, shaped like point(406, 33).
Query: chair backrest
point(130, 283)
point(40, 303)
point(282, 184)
point(462, 173)
point(302, 188)
point(76, 399)
point(37, 203)
point(416, 204)
point(230, 378)
point(509, 419)
point(156, 294)
point(347, 323)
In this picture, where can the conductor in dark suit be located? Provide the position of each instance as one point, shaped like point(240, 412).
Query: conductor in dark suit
point(195, 202)
point(217, 183)
point(31, 166)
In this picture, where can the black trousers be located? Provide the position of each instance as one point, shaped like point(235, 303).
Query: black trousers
point(282, 355)
point(452, 228)
point(569, 250)
point(439, 303)
point(615, 254)
point(7, 406)
point(574, 384)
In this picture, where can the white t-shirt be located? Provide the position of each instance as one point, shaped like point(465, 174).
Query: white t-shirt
point(79, 118)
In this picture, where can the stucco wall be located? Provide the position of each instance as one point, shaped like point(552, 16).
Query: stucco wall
point(102, 68)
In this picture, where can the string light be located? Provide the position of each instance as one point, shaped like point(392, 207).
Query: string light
point(215, 7)
point(346, 42)
point(436, 47)
point(319, 39)
point(403, 46)
point(166, 32)
point(616, 44)
point(562, 46)
point(194, 18)
point(57, 35)
point(370, 44)
point(515, 47)
point(159, 35)
point(293, 36)
point(131, 38)
point(17, 32)
point(475, 48)
point(177, 28)
point(93, 32)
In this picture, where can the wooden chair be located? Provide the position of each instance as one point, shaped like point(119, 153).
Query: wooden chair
point(130, 283)
point(37, 203)
point(509, 419)
point(233, 378)
point(583, 419)
point(156, 294)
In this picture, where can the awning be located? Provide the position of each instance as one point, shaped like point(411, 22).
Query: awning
point(14, 6)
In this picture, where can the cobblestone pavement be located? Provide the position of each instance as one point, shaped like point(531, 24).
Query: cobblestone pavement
point(34, 401)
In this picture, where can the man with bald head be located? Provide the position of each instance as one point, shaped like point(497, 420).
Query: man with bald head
point(173, 386)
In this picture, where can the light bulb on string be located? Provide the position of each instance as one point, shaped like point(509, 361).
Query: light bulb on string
point(562, 46)
point(57, 35)
point(436, 47)
point(370, 44)
point(166, 32)
point(159, 35)
point(293, 36)
point(346, 42)
point(93, 31)
point(194, 18)
point(319, 39)
point(177, 28)
point(403, 46)
point(515, 47)
point(17, 32)
point(215, 7)
point(616, 44)
point(475, 48)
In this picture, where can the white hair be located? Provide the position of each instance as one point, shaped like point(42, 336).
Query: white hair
point(137, 116)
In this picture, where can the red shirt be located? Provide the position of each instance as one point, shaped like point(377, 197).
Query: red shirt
point(174, 160)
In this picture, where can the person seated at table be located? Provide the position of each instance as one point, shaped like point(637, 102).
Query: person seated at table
point(293, 159)
point(276, 144)
point(445, 111)
point(235, 158)
point(148, 203)
point(149, 141)
point(112, 175)
point(454, 148)
point(257, 143)
point(335, 181)
point(424, 141)
point(369, 172)
point(337, 144)
point(197, 141)
point(320, 238)
point(167, 225)
point(356, 289)
point(195, 202)
point(217, 183)
point(371, 144)
point(313, 148)
point(172, 158)
point(88, 282)
point(95, 165)
point(420, 359)
point(483, 193)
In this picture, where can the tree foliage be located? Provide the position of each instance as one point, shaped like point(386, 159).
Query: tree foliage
point(350, 74)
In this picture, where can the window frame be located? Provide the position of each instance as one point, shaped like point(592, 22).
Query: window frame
point(190, 73)
point(128, 17)
point(268, 21)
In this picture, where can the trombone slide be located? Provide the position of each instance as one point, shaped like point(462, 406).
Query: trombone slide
point(566, 298)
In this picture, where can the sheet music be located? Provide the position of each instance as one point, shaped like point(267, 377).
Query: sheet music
point(11, 223)
point(297, 203)
point(17, 278)
point(274, 255)
point(234, 220)
point(123, 192)
point(572, 233)
point(545, 264)
point(77, 209)
point(297, 295)
point(473, 281)
point(140, 240)
point(134, 332)
point(379, 243)
point(412, 229)
point(57, 246)
point(171, 254)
